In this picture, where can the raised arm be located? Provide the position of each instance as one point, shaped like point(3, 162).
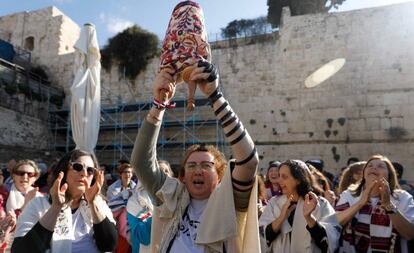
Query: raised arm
point(345, 213)
point(37, 234)
point(242, 145)
point(144, 154)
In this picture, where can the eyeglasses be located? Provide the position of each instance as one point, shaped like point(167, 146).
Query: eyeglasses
point(79, 167)
point(203, 165)
point(22, 173)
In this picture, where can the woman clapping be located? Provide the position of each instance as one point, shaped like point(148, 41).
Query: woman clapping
point(299, 220)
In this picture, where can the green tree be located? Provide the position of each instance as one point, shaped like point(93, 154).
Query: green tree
point(298, 7)
point(245, 27)
point(131, 49)
point(231, 30)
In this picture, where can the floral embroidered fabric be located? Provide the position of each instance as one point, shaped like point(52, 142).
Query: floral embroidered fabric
point(185, 41)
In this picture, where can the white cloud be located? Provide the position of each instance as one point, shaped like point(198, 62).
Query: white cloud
point(116, 25)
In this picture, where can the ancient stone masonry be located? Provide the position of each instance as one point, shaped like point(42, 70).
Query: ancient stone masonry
point(49, 35)
point(366, 108)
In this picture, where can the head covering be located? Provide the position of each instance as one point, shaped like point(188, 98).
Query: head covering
point(317, 163)
point(302, 165)
point(274, 164)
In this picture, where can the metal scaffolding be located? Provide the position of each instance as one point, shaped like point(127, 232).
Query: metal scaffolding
point(120, 123)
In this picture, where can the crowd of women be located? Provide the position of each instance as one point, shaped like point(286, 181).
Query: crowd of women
point(212, 205)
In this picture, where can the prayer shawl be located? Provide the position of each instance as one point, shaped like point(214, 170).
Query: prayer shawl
point(300, 241)
point(63, 233)
point(140, 210)
point(221, 222)
point(16, 199)
point(371, 229)
point(118, 198)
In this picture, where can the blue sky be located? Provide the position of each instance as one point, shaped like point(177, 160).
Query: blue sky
point(112, 16)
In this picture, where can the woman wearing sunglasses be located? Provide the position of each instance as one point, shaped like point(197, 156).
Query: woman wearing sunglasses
point(72, 217)
point(24, 174)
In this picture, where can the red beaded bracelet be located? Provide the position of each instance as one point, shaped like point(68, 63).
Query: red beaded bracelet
point(162, 105)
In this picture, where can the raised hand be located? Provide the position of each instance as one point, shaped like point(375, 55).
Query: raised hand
point(288, 207)
point(385, 193)
point(310, 203)
point(206, 76)
point(164, 85)
point(330, 196)
point(92, 191)
point(57, 192)
point(366, 193)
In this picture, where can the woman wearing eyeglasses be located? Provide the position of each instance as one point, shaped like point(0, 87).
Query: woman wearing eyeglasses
point(211, 207)
point(72, 217)
point(24, 174)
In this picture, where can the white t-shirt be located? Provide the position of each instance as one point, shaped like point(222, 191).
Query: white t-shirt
point(83, 240)
point(184, 241)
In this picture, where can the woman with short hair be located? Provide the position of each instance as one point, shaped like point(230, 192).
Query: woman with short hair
point(24, 174)
point(209, 207)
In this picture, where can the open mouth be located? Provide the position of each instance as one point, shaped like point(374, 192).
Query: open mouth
point(373, 174)
point(198, 182)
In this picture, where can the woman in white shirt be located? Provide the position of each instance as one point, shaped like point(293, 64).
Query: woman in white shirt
point(299, 220)
point(24, 175)
point(73, 217)
point(377, 216)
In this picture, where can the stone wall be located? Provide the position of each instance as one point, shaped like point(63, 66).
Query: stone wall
point(22, 136)
point(54, 36)
point(364, 109)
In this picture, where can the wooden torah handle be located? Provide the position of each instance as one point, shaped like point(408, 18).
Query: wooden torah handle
point(186, 73)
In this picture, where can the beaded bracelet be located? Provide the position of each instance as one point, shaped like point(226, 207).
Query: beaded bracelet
point(162, 105)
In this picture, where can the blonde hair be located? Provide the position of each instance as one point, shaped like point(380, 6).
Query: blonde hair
point(31, 163)
point(347, 178)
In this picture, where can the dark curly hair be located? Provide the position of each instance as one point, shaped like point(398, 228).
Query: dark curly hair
point(301, 172)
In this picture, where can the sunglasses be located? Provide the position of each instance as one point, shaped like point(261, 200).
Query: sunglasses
point(78, 167)
point(22, 173)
